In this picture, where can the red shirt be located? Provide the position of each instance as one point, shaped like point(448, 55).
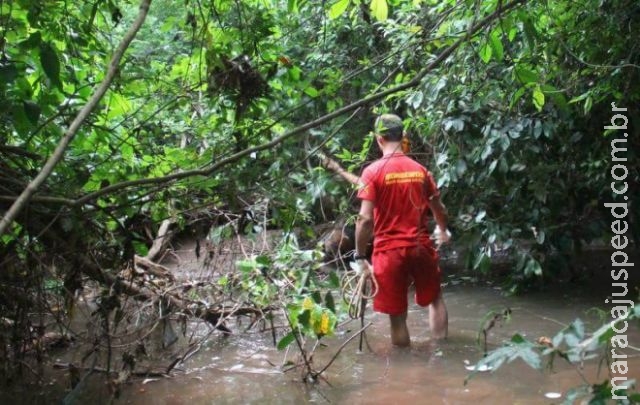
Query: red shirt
point(400, 189)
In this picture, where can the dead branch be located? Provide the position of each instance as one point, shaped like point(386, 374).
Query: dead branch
point(150, 267)
point(161, 241)
point(137, 373)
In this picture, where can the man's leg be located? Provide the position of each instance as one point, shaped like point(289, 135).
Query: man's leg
point(399, 330)
point(438, 318)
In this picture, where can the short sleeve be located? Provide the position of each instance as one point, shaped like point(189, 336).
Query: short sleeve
point(367, 190)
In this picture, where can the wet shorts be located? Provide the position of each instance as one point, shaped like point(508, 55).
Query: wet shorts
point(395, 269)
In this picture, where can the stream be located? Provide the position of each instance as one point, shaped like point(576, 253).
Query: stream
point(245, 368)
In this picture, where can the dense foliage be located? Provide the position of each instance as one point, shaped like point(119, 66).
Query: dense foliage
point(217, 110)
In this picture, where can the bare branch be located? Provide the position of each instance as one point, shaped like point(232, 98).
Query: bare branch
point(59, 152)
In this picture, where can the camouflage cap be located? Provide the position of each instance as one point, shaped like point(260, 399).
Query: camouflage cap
point(389, 125)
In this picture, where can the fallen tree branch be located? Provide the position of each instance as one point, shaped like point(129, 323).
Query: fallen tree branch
point(159, 372)
point(215, 316)
point(155, 269)
point(161, 241)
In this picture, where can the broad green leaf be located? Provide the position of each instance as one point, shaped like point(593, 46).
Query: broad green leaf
point(338, 8)
point(50, 63)
point(292, 6)
point(304, 318)
point(317, 298)
point(286, 340)
point(485, 53)
point(495, 41)
point(33, 41)
point(516, 96)
point(311, 91)
point(538, 98)
point(380, 9)
point(329, 302)
point(525, 75)
point(32, 111)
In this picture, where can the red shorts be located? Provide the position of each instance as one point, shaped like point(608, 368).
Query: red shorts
point(395, 269)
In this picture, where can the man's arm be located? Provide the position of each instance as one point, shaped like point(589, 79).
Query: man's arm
point(441, 234)
point(364, 227)
point(439, 212)
point(335, 167)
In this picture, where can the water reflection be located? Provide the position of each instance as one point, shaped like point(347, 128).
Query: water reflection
point(246, 369)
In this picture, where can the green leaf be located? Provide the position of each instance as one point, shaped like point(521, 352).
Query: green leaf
point(50, 63)
point(292, 6)
point(304, 318)
point(33, 41)
point(415, 99)
point(538, 98)
point(32, 111)
point(533, 268)
point(530, 32)
point(8, 73)
point(329, 302)
point(588, 102)
point(311, 92)
point(317, 298)
point(517, 338)
point(286, 340)
point(525, 75)
point(495, 41)
point(380, 9)
point(516, 96)
point(338, 8)
point(334, 280)
point(485, 53)
point(140, 248)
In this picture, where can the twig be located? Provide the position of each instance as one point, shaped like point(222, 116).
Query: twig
point(343, 346)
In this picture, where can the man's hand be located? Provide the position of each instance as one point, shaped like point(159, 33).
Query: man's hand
point(440, 236)
point(363, 266)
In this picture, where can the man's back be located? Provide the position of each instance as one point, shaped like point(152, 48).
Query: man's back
point(400, 189)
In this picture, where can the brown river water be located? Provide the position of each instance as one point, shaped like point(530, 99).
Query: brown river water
point(240, 370)
point(245, 368)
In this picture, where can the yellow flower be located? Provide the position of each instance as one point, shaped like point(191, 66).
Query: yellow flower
point(325, 322)
point(307, 303)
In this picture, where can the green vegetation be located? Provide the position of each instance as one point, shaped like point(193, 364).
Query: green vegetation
point(213, 112)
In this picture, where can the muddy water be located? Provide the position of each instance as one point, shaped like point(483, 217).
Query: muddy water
point(247, 369)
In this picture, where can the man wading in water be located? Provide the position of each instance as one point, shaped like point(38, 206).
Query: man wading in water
point(396, 195)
